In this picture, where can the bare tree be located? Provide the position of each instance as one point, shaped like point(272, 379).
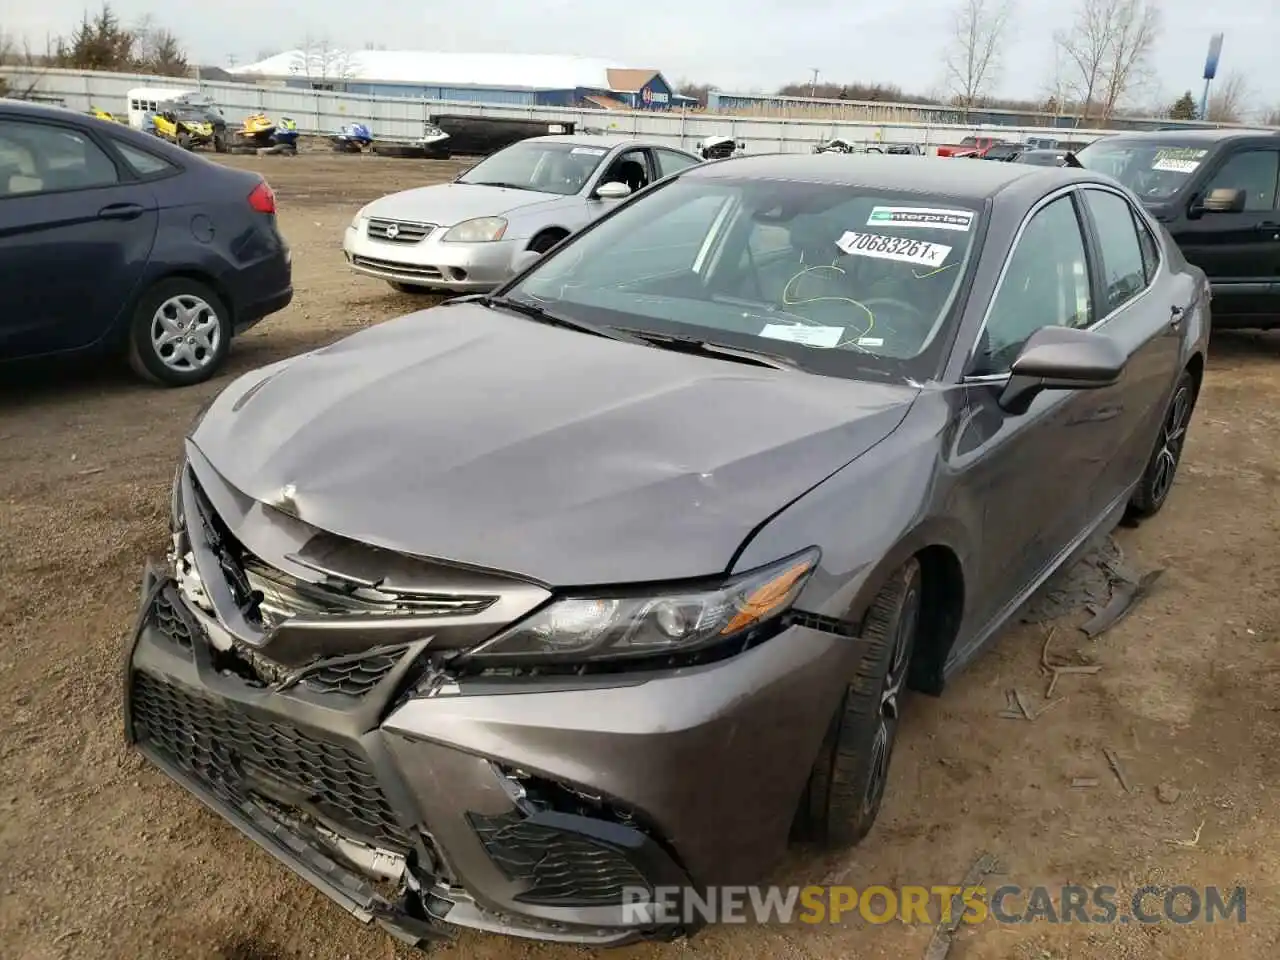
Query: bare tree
point(1106, 52)
point(30, 66)
point(157, 50)
point(1230, 100)
point(1271, 117)
point(321, 62)
point(972, 61)
point(1135, 27)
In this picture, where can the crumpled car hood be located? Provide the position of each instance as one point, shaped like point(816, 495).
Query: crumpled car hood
point(451, 203)
point(464, 433)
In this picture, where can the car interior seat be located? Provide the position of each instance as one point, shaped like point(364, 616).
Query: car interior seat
point(630, 172)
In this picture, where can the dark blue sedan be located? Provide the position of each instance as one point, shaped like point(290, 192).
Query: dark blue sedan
point(116, 242)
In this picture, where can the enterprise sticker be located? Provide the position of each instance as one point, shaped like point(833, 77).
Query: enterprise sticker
point(1178, 159)
point(589, 151)
point(902, 249)
point(961, 220)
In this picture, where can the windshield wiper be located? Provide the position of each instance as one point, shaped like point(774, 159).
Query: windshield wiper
point(540, 314)
point(494, 183)
point(684, 344)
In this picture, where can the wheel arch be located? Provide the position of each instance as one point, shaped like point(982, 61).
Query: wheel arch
point(939, 548)
point(120, 335)
point(558, 232)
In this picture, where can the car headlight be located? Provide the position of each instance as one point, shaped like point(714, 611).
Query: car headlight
point(479, 230)
point(356, 221)
point(612, 627)
point(177, 520)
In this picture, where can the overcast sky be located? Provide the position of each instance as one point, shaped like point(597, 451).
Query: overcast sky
point(735, 44)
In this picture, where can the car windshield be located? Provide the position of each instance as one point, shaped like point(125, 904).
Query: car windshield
point(1153, 170)
point(839, 280)
point(548, 167)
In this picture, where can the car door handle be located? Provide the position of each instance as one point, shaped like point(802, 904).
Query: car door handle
point(121, 211)
point(1175, 316)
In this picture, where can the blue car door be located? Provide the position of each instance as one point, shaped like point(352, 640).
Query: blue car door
point(76, 233)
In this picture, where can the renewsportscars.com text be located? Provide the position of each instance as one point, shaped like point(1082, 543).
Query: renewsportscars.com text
point(1179, 904)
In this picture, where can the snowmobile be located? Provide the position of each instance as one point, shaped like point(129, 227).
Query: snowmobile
point(352, 138)
point(261, 135)
point(99, 114)
point(720, 148)
point(836, 145)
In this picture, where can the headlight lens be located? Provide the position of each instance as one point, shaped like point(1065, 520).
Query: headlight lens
point(582, 629)
point(356, 221)
point(479, 230)
point(176, 518)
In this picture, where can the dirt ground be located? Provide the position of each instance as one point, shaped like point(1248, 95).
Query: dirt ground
point(102, 856)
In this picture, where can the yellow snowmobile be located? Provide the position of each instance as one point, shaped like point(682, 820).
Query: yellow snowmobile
point(262, 135)
point(99, 114)
point(187, 128)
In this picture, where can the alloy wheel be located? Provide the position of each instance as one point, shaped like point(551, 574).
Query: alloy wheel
point(185, 333)
point(1172, 437)
point(891, 690)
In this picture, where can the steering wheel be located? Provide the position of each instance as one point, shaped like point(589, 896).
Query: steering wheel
point(911, 308)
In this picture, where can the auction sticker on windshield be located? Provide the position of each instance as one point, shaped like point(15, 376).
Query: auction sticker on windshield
point(1178, 160)
point(803, 333)
point(961, 220)
point(902, 249)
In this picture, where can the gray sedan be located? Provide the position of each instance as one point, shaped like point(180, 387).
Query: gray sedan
point(474, 233)
point(519, 611)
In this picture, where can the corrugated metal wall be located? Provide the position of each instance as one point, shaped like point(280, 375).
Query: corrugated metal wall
point(400, 117)
point(797, 106)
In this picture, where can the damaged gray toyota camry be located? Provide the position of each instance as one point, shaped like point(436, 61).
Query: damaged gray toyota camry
point(508, 612)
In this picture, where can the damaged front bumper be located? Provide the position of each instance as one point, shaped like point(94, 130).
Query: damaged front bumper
point(536, 806)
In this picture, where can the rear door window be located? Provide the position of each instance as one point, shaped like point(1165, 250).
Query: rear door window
point(48, 158)
point(1123, 270)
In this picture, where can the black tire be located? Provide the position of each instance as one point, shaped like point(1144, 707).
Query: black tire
point(411, 289)
point(546, 240)
point(406, 151)
point(219, 143)
point(148, 361)
point(1162, 467)
point(846, 786)
point(184, 141)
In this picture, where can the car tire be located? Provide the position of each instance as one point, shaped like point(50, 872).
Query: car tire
point(1162, 467)
point(198, 309)
point(412, 289)
point(846, 786)
point(546, 240)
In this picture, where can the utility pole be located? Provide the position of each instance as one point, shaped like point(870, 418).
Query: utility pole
point(813, 84)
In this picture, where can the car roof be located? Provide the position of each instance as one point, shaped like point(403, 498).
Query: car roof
point(943, 176)
point(49, 111)
point(1214, 135)
point(600, 140)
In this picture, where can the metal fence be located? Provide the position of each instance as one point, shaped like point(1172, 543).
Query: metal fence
point(404, 118)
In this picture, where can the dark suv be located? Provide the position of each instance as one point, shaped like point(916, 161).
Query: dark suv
point(1216, 192)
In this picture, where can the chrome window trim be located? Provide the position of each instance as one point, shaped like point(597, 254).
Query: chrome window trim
point(1067, 191)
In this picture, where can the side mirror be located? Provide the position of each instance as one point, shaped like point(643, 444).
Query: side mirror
point(1061, 358)
point(612, 191)
point(523, 260)
point(1224, 200)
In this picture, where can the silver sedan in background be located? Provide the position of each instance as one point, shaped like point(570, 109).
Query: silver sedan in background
point(472, 234)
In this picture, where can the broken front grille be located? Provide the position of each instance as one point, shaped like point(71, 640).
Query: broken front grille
point(561, 868)
point(353, 677)
point(219, 743)
point(283, 596)
point(399, 231)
